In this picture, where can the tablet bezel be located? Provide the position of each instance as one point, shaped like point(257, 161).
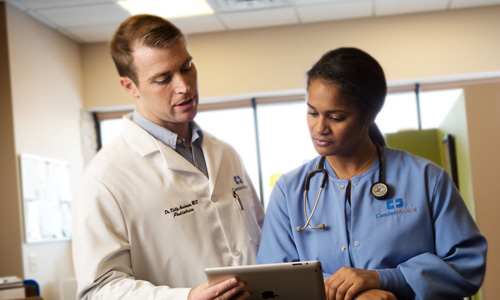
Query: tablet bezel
point(290, 280)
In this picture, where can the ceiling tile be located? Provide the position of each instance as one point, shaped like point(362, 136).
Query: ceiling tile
point(259, 18)
point(335, 11)
point(103, 16)
point(221, 6)
point(471, 3)
point(107, 13)
point(309, 2)
point(392, 7)
point(39, 4)
point(94, 33)
point(199, 24)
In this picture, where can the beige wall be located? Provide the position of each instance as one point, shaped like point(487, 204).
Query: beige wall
point(45, 75)
point(274, 59)
point(483, 119)
point(10, 209)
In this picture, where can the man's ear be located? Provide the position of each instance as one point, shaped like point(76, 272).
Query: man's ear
point(129, 87)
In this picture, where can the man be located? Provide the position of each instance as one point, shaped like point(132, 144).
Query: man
point(164, 200)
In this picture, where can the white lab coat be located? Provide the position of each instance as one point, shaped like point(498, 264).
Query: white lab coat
point(146, 222)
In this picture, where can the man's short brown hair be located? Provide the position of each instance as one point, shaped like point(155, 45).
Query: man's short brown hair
point(146, 30)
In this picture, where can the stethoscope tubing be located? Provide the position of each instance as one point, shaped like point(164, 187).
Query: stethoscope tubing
point(379, 189)
point(319, 168)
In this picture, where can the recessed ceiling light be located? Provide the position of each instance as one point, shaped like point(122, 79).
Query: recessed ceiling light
point(168, 9)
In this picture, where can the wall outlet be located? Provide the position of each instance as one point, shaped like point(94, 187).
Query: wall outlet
point(33, 262)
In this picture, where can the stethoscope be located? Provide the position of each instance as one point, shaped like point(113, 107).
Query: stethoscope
point(379, 189)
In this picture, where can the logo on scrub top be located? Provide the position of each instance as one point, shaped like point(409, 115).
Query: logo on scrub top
point(396, 203)
point(238, 180)
point(395, 208)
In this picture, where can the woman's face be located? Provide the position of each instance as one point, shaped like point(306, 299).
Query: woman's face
point(337, 127)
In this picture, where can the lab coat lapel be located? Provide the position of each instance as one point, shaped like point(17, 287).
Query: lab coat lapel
point(137, 137)
point(145, 144)
point(175, 161)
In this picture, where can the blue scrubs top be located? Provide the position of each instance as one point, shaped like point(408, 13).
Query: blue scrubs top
point(421, 240)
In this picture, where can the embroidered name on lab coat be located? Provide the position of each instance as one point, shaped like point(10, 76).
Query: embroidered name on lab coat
point(181, 209)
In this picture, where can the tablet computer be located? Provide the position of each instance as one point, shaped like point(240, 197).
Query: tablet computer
point(285, 281)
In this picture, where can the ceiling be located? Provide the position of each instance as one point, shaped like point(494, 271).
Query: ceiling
point(88, 21)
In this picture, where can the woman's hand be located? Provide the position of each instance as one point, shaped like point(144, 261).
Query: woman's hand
point(375, 294)
point(346, 283)
point(225, 290)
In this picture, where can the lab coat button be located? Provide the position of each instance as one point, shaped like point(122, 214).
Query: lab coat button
point(342, 187)
point(236, 253)
point(343, 248)
point(356, 243)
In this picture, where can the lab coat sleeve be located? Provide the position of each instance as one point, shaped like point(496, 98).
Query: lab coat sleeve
point(259, 210)
point(101, 250)
point(277, 244)
point(457, 267)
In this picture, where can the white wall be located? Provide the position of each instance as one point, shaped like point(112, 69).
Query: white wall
point(46, 94)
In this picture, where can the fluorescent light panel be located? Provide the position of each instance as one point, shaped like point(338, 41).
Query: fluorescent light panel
point(168, 9)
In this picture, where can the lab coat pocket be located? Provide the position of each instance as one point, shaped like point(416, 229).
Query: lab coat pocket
point(245, 208)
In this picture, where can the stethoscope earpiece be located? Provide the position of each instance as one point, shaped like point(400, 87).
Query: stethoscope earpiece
point(320, 226)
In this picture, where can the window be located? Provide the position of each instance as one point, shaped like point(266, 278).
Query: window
point(109, 129)
point(236, 128)
point(284, 140)
point(399, 113)
point(435, 105)
point(282, 133)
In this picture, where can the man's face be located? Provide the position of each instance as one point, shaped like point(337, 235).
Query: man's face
point(167, 89)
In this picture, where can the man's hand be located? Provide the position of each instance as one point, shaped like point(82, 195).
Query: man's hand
point(225, 290)
point(346, 283)
point(375, 294)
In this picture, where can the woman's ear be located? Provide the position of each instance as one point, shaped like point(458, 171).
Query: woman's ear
point(371, 119)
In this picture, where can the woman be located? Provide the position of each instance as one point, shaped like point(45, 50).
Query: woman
point(386, 224)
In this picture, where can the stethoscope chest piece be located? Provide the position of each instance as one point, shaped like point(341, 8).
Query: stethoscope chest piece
point(379, 190)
